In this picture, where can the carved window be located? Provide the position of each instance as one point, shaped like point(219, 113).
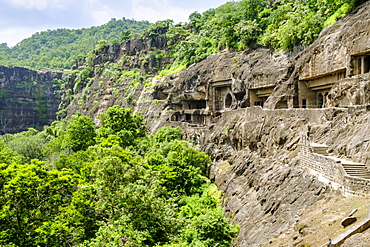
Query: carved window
point(360, 64)
point(366, 64)
point(228, 100)
point(304, 103)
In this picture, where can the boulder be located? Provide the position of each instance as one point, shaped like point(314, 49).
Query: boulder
point(348, 221)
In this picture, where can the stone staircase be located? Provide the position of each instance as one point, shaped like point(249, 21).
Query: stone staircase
point(355, 169)
point(320, 148)
point(351, 168)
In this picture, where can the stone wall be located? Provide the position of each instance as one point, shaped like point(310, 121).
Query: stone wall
point(332, 170)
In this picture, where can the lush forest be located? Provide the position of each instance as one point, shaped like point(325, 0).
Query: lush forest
point(73, 184)
point(76, 184)
point(236, 25)
point(58, 49)
point(247, 24)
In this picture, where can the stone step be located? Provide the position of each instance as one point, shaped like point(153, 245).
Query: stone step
point(354, 169)
point(355, 166)
point(363, 175)
point(320, 148)
point(357, 172)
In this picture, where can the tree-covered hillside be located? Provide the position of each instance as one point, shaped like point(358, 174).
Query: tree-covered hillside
point(245, 24)
point(74, 184)
point(59, 48)
point(238, 25)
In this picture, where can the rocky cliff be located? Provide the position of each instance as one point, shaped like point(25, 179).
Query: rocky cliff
point(249, 111)
point(27, 98)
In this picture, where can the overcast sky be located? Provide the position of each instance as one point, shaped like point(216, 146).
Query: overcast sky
point(20, 19)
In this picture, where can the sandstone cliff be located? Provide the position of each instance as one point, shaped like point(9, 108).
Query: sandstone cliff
point(249, 111)
point(27, 98)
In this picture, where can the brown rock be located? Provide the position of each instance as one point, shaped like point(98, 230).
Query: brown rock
point(348, 221)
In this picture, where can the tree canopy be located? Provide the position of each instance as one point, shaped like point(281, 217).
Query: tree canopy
point(246, 24)
point(92, 187)
point(58, 49)
point(237, 25)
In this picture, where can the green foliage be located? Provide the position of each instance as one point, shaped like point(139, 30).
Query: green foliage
point(167, 134)
point(80, 133)
point(59, 48)
point(30, 144)
point(340, 12)
point(209, 229)
point(153, 194)
point(7, 155)
point(246, 24)
point(32, 200)
point(120, 122)
point(181, 166)
point(173, 70)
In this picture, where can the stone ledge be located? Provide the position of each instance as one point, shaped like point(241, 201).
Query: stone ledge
point(357, 228)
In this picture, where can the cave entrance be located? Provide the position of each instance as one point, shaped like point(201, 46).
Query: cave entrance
point(194, 104)
point(360, 63)
point(320, 100)
point(188, 118)
point(304, 103)
point(239, 99)
point(366, 64)
point(198, 119)
point(176, 117)
point(219, 95)
point(228, 100)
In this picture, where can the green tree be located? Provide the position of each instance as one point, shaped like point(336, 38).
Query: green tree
point(79, 134)
point(59, 48)
point(126, 36)
point(7, 155)
point(32, 197)
point(153, 193)
point(30, 144)
point(118, 121)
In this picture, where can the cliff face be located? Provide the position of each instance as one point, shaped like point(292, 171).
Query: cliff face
point(249, 111)
point(116, 75)
point(27, 98)
point(334, 70)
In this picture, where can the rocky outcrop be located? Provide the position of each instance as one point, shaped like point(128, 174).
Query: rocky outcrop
point(27, 98)
point(218, 103)
point(336, 66)
point(247, 111)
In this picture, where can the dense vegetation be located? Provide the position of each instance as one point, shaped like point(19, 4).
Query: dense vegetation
point(58, 49)
point(245, 24)
point(77, 185)
point(238, 25)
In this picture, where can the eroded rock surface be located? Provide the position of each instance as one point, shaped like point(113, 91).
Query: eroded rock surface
point(218, 104)
point(27, 98)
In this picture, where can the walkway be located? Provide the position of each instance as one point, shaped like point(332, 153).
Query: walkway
point(349, 177)
point(352, 168)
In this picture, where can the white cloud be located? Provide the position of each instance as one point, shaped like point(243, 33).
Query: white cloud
point(14, 35)
point(154, 10)
point(37, 4)
point(103, 14)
